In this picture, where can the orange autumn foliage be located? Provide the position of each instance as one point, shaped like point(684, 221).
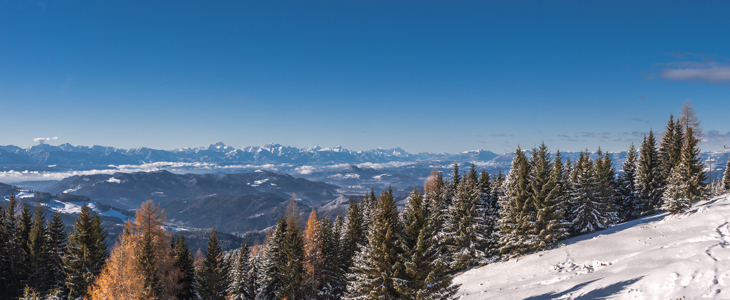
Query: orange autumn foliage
point(121, 277)
point(313, 258)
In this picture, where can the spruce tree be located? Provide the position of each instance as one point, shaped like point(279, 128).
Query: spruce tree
point(147, 266)
point(241, 288)
point(86, 253)
point(373, 270)
point(463, 236)
point(5, 274)
point(40, 266)
point(354, 233)
point(669, 151)
point(695, 169)
point(544, 194)
point(212, 280)
point(626, 204)
point(648, 182)
point(334, 251)
point(57, 238)
point(292, 267)
point(487, 218)
point(184, 262)
point(14, 253)
point(272, 280)
point(606, 180)
point(514, 223)
point(422, 269)
point(588, 210)
point(675, 194)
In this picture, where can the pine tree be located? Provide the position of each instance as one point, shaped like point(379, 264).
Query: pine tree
point(147, 266)
point(241, 288)
point(354, 233)
point(184, 263)
point(545, 194)
point(212, 280)
point(648, 182)
point(86, 253)
point(626, 204)
point(421, 265)
point(40, 265)
point(5, 274)
point(14, 253)
point(487, 218)
point(587, 206)
point(695, 169)
point(669, 150)
point(463, 237)
point(334, 266)
point(606, 184)
point(675, 194)
point(56, 250)
point(372, 274)
point(514, 223)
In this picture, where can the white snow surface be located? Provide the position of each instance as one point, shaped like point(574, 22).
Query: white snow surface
point(685, 256)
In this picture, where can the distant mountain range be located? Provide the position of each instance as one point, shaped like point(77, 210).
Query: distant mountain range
point(83, 157)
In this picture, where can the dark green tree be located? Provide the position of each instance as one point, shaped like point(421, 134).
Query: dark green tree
point(147, 266)
point(184, 261)
point(86, 253)
point(241, 287)
point(373, 270)
point(626, 202)
point(514, 223)
point(648, 181)
point(212, 280)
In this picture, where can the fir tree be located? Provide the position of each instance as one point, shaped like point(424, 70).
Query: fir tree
point(545, 194)
point(86, 253)
point(241, 287)
point(421, 266)
point(184, 262)
point(669, 151)
point(606, 186)
point(40, 266)
point(514, 223)
point(272, 279)
point(354, 233)
point(333, 268)
point(56, 250)
point(463, 237)
point(648, 182)
point(695, 169)
point(5, 274)
point(487, 218)
point(675, 194)
point(147, 266)
point(626, 204)
point(373, 270)
point(212, 280)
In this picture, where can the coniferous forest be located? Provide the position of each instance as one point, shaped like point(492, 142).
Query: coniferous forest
point(453, 223)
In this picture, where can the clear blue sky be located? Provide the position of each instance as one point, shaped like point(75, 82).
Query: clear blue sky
point(436, 76)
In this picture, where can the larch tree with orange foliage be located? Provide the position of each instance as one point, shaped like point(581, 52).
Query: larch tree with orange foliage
point(313, 259)
point(142, 261)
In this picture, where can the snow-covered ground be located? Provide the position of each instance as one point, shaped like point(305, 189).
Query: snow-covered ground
point(658, 257)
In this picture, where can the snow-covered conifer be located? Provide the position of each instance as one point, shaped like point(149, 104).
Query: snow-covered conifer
point(648, 181)
point(626, 192)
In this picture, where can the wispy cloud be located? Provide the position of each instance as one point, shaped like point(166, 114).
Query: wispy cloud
point(501, 135)
point(640, 120)
point(42, 140)
point(714, 136)
point(701, 68)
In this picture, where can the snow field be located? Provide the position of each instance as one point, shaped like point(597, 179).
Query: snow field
point(656, 257)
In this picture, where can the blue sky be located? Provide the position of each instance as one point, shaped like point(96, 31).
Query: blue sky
point(436, 76)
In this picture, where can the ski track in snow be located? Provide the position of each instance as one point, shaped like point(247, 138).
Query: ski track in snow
point(685, 256)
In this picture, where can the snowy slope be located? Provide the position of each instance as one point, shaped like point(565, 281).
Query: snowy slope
point(658, 257)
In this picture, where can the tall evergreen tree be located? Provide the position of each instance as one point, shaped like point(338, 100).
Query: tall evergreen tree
point(626, 204)
point(354, 233)
point(514, 223)
point(421, 266)
point(588, 215)
point(241, 287)
point(648, 181)
point(487, 217)
point(464, 239)
point(292, 268)
point(606, 186)
point(695, 169)
point(373, 270)
point(271, 279)
point(675, 194)
point(5, 274)
point(212, 280)
point(86, 253)
point(334, 252)
point(545, 194)
point(147, 266)
point(40, 267)
point(184, 262)
point(670, 150)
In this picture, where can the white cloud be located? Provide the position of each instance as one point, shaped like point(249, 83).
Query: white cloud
point(42, 140)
